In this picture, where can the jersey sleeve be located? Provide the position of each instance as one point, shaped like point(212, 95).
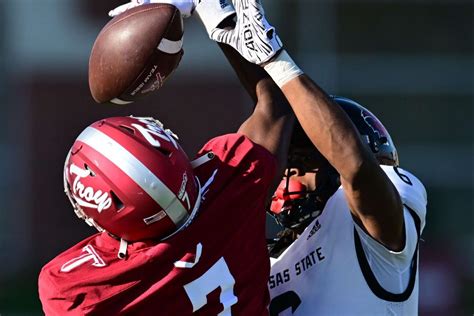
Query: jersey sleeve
point(241, 158)
point(411, 190)
point(392, 268)
point(53, 301)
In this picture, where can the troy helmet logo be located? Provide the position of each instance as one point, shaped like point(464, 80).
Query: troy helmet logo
point(86, 196)
point(152, 128)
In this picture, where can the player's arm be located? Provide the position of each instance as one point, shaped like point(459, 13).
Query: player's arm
point(373, 200)
point(271, 122)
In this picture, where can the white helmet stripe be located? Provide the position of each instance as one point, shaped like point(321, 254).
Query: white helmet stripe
point(120, 101)
point(137, 171)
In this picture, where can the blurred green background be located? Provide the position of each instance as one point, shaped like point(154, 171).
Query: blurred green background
point(409, 62)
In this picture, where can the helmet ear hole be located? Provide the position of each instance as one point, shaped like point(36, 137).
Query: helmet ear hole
point(127, 129)
point(165, 152)
point(118, 203)
point(86, 167)
point(131, 131)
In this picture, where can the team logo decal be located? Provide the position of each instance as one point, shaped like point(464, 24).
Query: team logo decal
point(314, 229)
point(156, 84)
point(374, 124)
point(88, 254)
point(153, 132)
point(86, 195)
point(182, 194)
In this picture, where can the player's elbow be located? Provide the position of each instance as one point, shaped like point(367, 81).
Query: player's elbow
point(360, 169)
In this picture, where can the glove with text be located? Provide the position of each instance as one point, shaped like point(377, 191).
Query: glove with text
point(253, 37)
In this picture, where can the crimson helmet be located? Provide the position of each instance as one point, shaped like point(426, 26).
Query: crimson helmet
point(129, 177)
point(295, 207)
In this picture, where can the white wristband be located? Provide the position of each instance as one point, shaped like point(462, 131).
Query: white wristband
point(282, 69)
point(212, 13)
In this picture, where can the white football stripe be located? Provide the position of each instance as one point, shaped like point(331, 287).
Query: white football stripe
point(170, 47)
point(120, 101)
point(137, 171)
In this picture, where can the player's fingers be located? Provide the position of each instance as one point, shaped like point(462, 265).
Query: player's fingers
point(222, 36)
point(120, 9)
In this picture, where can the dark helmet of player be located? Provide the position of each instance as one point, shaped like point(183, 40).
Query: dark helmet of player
point(129, 176)
point(293, 206)
point(373, 132)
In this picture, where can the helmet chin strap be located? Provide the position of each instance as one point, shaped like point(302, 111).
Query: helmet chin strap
point(122, 253)
point(297, 207)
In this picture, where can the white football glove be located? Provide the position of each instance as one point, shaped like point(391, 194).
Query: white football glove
point(253, 37)
point(186, 7)
point(213, 12)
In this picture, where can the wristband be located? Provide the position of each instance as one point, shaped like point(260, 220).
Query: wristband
point(213, 12)
point(282, 69)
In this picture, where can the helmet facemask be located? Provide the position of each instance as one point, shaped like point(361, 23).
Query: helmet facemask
point(295, 210)
point(293, 205)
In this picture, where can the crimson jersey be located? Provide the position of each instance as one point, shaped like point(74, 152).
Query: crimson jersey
point(217, 266)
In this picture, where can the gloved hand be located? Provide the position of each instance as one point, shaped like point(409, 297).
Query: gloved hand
point(186, 7)
point(213, 12)
point(253, 37)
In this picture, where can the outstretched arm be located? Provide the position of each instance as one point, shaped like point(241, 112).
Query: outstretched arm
point(374, 201)
point(271, 122)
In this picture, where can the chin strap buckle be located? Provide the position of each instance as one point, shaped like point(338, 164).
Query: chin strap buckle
point(122, 253)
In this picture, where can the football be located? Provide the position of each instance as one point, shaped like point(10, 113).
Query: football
point(135, 53)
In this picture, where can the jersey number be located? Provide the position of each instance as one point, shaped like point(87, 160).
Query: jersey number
point(217, 276)
point(402, 176)
point(283, 302)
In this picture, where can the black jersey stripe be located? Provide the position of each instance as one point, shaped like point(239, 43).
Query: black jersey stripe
point(369, 276)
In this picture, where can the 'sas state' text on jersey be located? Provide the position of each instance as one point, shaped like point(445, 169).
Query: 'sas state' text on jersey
point(302, 265)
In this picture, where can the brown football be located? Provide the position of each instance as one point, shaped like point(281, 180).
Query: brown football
point(135, 53)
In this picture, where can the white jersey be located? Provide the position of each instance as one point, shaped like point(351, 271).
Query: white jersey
point(335, 268)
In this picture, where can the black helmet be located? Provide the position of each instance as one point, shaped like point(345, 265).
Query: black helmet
point(372, 130)
point(296, 209)
point(369, 126)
